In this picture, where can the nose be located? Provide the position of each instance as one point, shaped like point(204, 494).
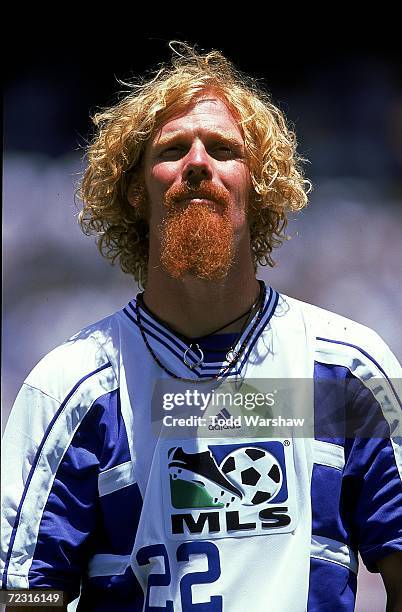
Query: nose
point(197, 165)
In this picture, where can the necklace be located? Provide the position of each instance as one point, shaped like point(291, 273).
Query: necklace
point(230, 352)
point(235, 355)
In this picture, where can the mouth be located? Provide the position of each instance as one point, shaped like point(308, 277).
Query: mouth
point(197, 200)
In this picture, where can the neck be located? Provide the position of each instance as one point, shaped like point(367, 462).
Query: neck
point(195, 307)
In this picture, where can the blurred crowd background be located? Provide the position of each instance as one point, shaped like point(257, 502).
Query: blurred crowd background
point(346, 248)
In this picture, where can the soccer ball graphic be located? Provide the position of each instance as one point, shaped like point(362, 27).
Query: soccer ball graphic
point(255, 472)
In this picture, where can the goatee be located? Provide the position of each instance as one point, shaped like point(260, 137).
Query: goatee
point(197, 237)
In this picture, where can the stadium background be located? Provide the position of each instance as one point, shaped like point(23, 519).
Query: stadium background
point(345, 100)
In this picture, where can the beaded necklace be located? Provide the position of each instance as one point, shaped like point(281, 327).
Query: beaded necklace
point(236, 354)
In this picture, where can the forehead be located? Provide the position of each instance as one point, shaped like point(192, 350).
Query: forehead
point(206, 114)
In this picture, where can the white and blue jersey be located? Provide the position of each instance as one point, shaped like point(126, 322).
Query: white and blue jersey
point(97, 505)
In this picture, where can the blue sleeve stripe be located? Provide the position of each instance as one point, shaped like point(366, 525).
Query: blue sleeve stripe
point(34, 464)
point(363, 352)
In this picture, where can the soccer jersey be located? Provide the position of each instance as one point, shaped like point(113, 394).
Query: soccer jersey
point(99, 501)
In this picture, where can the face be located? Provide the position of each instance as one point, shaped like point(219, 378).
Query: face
point(197, 184)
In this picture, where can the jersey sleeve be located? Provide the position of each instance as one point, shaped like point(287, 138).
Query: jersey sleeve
point(50, 464)
point(373, 473)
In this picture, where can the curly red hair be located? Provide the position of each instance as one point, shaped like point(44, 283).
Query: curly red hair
point(114, 156)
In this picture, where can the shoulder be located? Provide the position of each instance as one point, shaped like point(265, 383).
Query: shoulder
point(87, 356)
point(340, 340)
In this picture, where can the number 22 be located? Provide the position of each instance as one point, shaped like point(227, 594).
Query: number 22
point(144, 555)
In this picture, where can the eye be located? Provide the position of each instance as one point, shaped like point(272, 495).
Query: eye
point(172, 152)
point(223, 152)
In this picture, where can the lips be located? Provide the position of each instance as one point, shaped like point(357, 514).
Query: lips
point(197, 197)
point(198, 200)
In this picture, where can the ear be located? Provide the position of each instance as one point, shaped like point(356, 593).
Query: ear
point(254, 204)
point(136, 195)
point(133, 193)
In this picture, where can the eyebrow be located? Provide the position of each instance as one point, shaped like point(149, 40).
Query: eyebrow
point(228, 137)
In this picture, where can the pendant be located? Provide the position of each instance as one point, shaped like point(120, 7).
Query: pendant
point(231, 356)
point(197, 363)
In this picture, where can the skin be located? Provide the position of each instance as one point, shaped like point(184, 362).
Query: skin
point(203, 143)
point(390, 568)
point(188, 148)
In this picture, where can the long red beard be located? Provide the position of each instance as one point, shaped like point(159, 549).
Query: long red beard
point(197, 238)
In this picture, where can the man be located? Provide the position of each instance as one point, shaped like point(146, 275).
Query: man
point(189, 182)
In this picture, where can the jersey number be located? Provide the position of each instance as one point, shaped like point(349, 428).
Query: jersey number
point(144, 556)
